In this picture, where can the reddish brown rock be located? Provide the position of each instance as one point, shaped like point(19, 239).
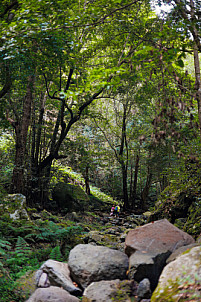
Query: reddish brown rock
point(149, 246)
point(158, 236)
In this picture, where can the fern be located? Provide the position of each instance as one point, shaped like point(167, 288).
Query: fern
point(22, 249)
point(4, 247)
point(54, 233)
point(20, 256)
point(55, 254)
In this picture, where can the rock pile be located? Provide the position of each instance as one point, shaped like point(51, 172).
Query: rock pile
point(102, 274)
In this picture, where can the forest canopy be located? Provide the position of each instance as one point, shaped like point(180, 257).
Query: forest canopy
point(111, 89)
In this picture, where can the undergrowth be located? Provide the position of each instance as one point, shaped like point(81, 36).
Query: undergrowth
point(27, 246)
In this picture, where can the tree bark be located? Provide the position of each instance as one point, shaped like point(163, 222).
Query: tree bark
point(134, 185)
point(124, 167)
point(87, 186)
point(8, 83)
point(125, 187)
point(196, 46)
point(145, 191)
point(21, 130)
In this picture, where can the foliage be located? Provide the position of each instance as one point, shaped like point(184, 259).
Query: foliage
point(55, 254)
point(110, 82)
point(20, 257)
point(192, 225)
point(29, 245)
point(8, 290)
point(181, 199)
point(4, 247)
point(60, 173)
point(6, 161)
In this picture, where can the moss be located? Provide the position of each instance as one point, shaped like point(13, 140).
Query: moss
point(165, 294)
point(70, 197)
point(192, 225)
point(26, 284)
point(125, 292)
point(178, 290)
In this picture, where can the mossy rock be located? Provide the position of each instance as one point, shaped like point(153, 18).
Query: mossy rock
point(15, 206)
point(180, 279)
point(70, 197)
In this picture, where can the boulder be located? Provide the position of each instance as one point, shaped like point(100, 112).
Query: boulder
point(57, 274)
point(181, 278)
point(70, 197)
point(110, 291)
point(89, 263)
point(143, 290)
point(146, 265)
point(15, 206)
point(149, 246)
point(52, 294)
point(179, 251)
point(160, 236)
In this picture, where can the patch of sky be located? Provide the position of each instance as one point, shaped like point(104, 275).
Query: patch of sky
point(161, 8)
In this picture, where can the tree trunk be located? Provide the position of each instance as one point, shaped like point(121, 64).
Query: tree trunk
point(21, 130)
point(125, 188)
point(134, 189)
point(145, 191)
point(33, 190)
point(8, 82)
point(87, 186)
point(198, 83)
point(196, 62)
point(124, 167)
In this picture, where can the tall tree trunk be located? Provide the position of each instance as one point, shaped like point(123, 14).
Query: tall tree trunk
point(125, 187)
point(134, 185)
point(145, 191)
point(198, 83)
point(86, 177)
point(34, 187)
point(196, 62)
point(21, 130)
point(124, 167)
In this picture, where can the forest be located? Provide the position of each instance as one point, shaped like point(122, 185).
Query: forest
point(109, 91)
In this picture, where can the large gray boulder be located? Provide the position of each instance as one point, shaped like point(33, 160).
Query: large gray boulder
point(110, 291)
point(149, 246)
point(56, 273)
point(181, 278)
point(52, 294)
point(89, 263)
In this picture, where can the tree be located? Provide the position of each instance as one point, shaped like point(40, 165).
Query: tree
point(188, 15)
point(43, 40)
